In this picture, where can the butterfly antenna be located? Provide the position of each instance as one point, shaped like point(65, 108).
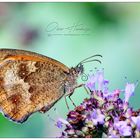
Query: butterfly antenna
point(96, 55)
point(88, 59)
point(92, 61)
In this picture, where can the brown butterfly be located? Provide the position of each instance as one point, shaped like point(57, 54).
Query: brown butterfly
point(30, 82)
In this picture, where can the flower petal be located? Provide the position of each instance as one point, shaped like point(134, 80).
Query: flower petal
point(129, 91)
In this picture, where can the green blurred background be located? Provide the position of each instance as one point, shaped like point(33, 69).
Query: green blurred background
point(70, 32)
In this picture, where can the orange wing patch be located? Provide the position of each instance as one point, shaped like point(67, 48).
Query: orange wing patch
point(35, 59)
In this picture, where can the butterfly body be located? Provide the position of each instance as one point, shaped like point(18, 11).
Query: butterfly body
point(31, 82)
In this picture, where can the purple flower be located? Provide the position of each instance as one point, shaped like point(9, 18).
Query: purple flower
point(128, 113)
point(104, 112)
point(112, 95)
point(61, 122)
point(91, 82)
point(136, 120)
point(102, 83)
point(113, 136)
point(129, 91)
point(97, 117)
point(105, 88)
point(123, 128)
point(125, 106)
point(98, 78)
point(112, 133)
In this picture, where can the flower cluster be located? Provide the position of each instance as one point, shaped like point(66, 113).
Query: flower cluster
point(104, 114)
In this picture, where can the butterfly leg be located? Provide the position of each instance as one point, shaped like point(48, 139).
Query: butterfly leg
point(71, 93)
point(66, 102)
point(71, 100)
point(86, 90)
point(83, 85)
point(69, 96)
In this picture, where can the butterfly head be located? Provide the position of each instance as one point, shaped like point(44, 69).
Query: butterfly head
point(75, 72)
point(79, 69)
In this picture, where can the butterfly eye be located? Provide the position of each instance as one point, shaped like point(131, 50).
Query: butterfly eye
point(79, 69)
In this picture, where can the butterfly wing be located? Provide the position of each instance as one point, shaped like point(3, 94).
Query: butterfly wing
point(28, 83)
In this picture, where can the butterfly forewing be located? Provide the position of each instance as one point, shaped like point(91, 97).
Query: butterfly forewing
point(28, 83)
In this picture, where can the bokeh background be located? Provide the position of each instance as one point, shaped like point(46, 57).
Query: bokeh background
point(70, 32)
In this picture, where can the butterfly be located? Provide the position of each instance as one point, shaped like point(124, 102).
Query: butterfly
point(31, 82)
